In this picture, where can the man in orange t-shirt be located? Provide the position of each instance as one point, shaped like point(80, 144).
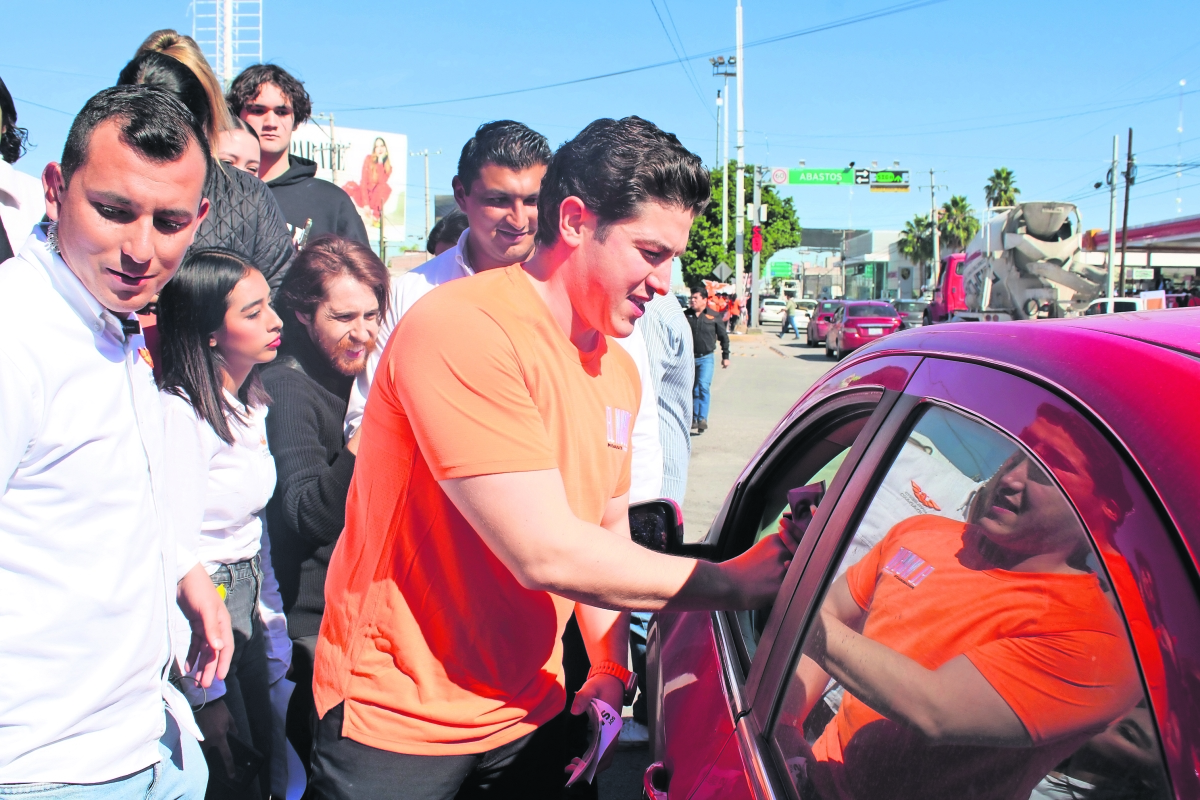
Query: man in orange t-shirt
point(490, 498)
point(975, 656)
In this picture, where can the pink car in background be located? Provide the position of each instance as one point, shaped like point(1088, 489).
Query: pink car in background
point(820, 320)
point(996, 595)
point(859, 322)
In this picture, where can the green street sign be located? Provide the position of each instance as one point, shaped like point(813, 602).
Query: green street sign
point(780, 269)
point(811, 177)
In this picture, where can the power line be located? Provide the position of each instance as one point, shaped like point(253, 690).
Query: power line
point(39, 105)
point(680, 56)
point(910, 5)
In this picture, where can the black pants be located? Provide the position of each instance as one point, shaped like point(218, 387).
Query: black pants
point(301, 722)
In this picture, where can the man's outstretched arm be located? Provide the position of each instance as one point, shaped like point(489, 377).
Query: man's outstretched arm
point(525, 519)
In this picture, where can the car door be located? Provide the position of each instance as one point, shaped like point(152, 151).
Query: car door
point(908, 664)
point(699, 662)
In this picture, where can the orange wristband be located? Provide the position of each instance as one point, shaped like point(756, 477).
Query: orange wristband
point(627, 678)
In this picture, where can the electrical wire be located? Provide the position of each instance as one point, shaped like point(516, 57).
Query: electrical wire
point(680, 56)
point(900, 8)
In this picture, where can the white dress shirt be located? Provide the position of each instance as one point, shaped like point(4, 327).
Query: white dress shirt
point(218, 493)
point(408, 289)
point(646, 471)
point(88, 566)
point(22, 204)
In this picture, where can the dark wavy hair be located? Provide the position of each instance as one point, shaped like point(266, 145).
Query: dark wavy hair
point(504, 143)
point(13, 140)
point(153, 122)
point(162, 72)
point(249, 83)
point(190, 308)
point(615, 165)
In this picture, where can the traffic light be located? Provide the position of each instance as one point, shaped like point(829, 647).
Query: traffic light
point(756, 240)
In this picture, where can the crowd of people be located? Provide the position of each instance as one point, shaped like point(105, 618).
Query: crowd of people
point(274, 521)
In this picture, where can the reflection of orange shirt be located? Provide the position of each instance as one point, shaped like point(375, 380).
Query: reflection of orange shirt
point(1051, 645)
point(430, 641)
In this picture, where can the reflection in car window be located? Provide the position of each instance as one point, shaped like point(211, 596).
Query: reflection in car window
point(968, 645)
point(1124, 305)
point(880, 310)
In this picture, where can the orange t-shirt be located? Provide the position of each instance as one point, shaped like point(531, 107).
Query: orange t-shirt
point(427, 637)
point(1051, 645)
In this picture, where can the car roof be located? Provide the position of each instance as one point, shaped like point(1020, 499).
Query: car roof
point(867, 303)
point(1145, 396)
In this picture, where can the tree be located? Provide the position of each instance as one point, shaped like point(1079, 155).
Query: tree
point(1001, 189)
point(705, 249)
point(916, 240)
point(957, 225)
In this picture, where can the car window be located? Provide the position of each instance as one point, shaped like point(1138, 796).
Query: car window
point(1124, 305)
point(1097, 308)
point(828, 307)
point(968, 643)
point(872, 311)
point(813, 460)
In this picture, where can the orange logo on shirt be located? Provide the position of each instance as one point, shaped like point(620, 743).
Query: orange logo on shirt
point(145, 354)
point(618, 423)
point(923, 498)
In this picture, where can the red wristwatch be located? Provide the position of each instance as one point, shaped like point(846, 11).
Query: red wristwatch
point(627, 678)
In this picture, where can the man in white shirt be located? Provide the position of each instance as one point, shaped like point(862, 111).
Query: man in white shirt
point(88, 561)
point(499, 176)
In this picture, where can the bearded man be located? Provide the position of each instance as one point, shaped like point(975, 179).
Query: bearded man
point(331, 302)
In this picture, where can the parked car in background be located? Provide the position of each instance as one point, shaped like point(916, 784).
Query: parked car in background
point(948, 457)
point(819, 324)
point(859, 322)
point(912, 312)
point(772, 310)
point(804, 312)
point(1109, 305)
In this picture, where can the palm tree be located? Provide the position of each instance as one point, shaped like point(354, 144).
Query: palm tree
point(957, 225)
point(916, 240)
point(1001, 189)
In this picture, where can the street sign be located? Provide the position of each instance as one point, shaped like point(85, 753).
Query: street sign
point(889, 180)
point(811, 177)
point(862, 176)
point(722, 272)
point(780, 269)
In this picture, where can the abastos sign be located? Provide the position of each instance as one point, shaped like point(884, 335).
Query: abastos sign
point(811, 177)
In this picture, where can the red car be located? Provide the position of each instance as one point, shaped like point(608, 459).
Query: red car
point(996, 595)
point(821, 319)
point(859, 322)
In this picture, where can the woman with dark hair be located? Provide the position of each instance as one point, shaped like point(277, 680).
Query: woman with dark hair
point(22, 202)
point(244, 216)
point(216, 327)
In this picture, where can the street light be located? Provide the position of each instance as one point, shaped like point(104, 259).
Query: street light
point(724, 68)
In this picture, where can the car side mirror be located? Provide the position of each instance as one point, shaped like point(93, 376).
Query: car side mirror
point(657, 525)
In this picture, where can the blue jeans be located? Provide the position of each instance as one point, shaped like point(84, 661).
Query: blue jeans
point(700, 392)
point(166, 780)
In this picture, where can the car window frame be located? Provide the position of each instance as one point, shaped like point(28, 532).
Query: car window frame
point(847, 512)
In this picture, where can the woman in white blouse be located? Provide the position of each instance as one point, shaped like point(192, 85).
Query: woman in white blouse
point(216, 325)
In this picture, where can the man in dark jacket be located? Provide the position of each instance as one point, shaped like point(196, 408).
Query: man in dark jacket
point(274, 103)
point(331, 302)
point(707, 329)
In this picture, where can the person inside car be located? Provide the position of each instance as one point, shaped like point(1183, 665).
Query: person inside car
point(945, 699)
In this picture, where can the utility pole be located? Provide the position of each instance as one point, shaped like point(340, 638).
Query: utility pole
point(933, 217)
point(428, 200)
point(335, 155)
point(739, 242)
point(724, 67)
point(1129, 176)
point(1112, 221)
point(717, 149)
point(756, 247)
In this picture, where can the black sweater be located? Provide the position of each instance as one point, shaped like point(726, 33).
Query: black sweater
point(306, 515)
point(306, 198)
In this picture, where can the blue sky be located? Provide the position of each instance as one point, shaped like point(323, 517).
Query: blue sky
point(960, 86)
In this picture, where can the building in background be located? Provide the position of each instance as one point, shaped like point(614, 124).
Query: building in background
point(866, 264)
point(370, 166)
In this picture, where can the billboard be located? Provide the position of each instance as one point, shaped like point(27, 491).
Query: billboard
point(370, 166)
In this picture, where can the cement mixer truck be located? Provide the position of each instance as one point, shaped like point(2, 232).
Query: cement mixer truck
point(1026, 262)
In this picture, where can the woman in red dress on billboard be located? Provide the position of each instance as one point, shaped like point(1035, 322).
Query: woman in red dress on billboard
point(373, 191)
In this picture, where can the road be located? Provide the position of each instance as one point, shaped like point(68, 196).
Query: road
point(766, 376)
